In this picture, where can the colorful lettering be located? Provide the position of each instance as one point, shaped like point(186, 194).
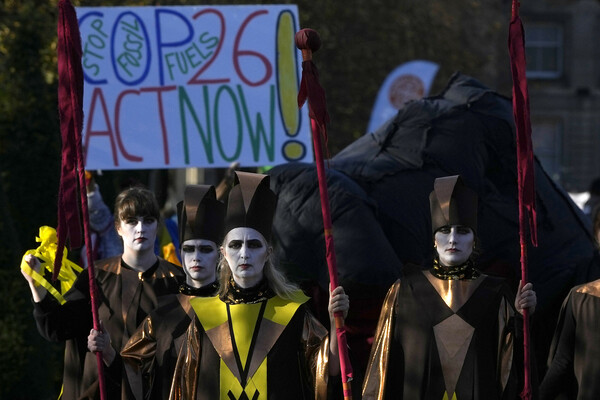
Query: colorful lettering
point(172, 87)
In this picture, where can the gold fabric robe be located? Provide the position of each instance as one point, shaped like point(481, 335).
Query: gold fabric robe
point(150, 354)
point(285, 334)
point(125, 298)
point(431, 336)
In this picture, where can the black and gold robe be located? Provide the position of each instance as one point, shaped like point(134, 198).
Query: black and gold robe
point(574, 360)
point(443, 339)
point(273, 349)
point(125, 298)
point(150, 354)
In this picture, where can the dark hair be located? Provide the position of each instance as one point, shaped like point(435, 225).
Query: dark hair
point(135, 201)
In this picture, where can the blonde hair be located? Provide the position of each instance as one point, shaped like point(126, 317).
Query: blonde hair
point(276, 279)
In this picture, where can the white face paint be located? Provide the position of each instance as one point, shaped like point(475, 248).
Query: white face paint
point(246, 252)
point(199, 258)
point(454, 244)
point(138, 233)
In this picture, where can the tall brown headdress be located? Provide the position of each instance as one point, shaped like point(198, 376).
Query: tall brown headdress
point(251, 204)
point(452, 203)
point(200, 215)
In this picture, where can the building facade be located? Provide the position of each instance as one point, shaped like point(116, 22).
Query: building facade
point(563, 72)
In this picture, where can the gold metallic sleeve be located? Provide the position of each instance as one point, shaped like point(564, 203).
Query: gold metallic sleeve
point(315, 341)
point(139, 358)
point(376, 373)
point(185, 378)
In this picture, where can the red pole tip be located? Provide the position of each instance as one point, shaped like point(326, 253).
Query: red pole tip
point(515, 8)
point(308, 39)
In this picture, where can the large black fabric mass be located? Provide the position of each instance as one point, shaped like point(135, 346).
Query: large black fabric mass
point(379, 187)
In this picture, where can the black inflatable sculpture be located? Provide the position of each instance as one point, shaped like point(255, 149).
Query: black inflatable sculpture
point(379, 188)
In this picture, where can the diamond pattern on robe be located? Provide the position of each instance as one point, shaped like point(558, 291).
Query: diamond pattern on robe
point(454, 292)
point(453, 337)
point(447, 398)
point(243, 396)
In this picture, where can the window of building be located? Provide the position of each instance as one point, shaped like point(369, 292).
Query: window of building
point(544, 46)
point(546, 139)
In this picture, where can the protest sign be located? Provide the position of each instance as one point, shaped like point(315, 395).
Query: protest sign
point(191, 86)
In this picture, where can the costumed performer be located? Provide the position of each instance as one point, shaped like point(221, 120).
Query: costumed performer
point(128, 289)
point(448, 331)
point(151, 353)
point(257, 339)
point(574, 358)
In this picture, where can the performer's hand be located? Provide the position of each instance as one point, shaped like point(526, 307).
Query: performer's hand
point(34, 264)
point(338, 302)
point(100, 341)
point(526, 298)
point(37, 292)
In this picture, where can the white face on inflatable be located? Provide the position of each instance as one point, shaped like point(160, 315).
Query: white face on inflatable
point(246, 252)
point(454, 244)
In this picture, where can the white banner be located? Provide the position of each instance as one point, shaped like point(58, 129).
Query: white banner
point(177, 87)
point(410, 81)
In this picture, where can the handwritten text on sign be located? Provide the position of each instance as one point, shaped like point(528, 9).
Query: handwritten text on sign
point(176, 87)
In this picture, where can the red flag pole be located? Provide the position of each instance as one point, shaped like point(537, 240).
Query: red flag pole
point(70, 95)
point(525, 169)
point(308, 41)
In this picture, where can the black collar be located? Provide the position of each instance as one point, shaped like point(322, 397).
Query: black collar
point(255, 294)
point(466, 271)
point(204, 291)
point(149, 272)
